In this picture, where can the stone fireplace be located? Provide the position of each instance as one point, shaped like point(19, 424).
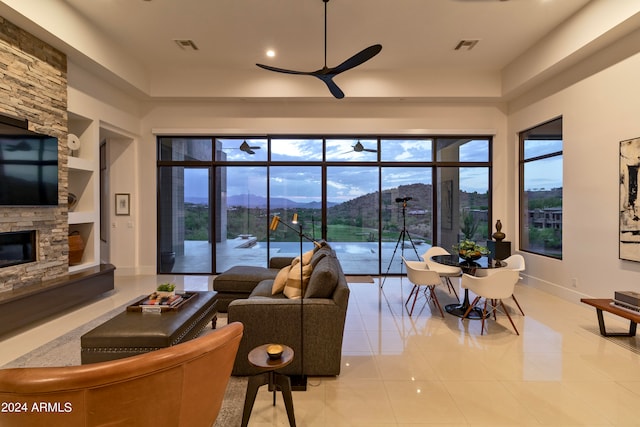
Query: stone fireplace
point(34, 87)
point(17, 247)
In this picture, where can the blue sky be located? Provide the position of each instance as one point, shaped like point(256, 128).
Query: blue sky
point(304, 184)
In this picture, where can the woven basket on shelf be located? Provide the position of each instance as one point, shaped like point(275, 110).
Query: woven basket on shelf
point(76, 248)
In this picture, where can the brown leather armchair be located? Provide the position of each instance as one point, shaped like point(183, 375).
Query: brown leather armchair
point(181, 385)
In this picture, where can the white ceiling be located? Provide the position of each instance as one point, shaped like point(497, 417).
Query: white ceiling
point(418, 36)
point(415, 34)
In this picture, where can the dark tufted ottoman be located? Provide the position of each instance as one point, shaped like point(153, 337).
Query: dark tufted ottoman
point(132, 333)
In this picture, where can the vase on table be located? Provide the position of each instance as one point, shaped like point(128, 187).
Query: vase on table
point(498, 235)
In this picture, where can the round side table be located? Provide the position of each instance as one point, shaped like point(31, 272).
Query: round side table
point(259, 358)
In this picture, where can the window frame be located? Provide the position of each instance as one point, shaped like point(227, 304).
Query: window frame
point(523, 210)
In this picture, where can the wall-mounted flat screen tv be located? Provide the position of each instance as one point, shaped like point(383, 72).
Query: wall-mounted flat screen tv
point(28, 167)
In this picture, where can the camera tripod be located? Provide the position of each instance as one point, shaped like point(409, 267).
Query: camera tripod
point(401, 238)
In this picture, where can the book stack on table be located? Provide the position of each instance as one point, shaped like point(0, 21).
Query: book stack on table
point(170, 301)
point(156, 303)
point(628, 300)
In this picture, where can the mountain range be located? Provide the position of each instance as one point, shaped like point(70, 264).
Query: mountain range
point(255, 201)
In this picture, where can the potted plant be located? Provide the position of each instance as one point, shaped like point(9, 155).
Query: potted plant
point(469, 250)
point(166, 290)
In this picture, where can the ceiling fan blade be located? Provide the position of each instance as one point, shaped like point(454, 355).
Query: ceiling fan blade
point(357, 59)
point(333, 87)
point(282, 70)
point(247, 148)
point(327, 74)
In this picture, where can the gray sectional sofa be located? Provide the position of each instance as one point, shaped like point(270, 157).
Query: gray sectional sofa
point(239, 281)
point(269, 318)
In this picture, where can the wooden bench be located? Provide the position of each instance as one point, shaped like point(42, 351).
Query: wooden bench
point(25, 305)
point(604, 304)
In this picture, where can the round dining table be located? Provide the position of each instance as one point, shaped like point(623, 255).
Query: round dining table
point(467, 267)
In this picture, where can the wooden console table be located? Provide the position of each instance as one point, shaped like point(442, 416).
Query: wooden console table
point(25, 305)
point(604, 304)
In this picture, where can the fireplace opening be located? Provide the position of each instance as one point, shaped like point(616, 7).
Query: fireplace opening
point(17, 247)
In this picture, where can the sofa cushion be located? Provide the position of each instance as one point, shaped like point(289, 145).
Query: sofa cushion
point(293, 288)
point(281, 280)
point(324, 279)
point(262, 289)
point(242, 278)
point(319, 254)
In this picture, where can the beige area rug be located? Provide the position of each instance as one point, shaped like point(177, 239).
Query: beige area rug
point(359, 279)
point(65, 351)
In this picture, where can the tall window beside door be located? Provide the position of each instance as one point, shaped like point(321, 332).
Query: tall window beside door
point(541, 189)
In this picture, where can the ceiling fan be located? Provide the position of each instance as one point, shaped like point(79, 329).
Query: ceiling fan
point(359, 148)
point(248, 148)
point(327, 74)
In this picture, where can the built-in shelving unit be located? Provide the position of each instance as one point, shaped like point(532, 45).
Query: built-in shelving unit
point(84, 184)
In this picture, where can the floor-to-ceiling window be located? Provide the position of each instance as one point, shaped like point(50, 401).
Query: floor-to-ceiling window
point(541, 189)
point(375, 199)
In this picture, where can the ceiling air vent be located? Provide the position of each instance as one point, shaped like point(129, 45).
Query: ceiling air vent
point(186, 44)
point(466, 44)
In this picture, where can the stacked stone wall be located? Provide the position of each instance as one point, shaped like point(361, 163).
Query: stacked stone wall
point(33, 86)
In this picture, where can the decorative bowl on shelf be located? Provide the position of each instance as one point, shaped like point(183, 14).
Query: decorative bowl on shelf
point(72, 201)
point(274, 351)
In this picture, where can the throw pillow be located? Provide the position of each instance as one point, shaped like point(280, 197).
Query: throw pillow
point(306, 257)
point(293, 287)
point(324, 279)
point(281, 280)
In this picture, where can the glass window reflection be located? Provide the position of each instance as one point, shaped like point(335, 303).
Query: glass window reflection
point(241, 150)
point(406, 150)
point(352, 150)
point(296, 150)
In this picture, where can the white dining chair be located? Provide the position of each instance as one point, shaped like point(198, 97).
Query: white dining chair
point(493, 288)
point(419, 275)
point(446, 272)
point(515, 262)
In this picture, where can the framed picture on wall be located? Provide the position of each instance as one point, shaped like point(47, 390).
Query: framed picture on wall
point(122, 204)
point(629, 247)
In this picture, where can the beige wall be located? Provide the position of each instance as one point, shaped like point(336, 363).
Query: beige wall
point(118, 118)
point(599, 111)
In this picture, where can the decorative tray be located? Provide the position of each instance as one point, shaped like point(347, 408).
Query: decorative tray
point(154, 304)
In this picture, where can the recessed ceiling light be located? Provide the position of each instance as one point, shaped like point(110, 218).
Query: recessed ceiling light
point(271, 53)
point(466, 44)
point(186, 44)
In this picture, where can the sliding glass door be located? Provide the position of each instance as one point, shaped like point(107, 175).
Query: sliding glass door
point(295, 191)
point(184, 218)
point(353, 224)
point(406, 215)
point(241, 216)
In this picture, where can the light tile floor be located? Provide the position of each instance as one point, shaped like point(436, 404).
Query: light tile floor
point(424, 370)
